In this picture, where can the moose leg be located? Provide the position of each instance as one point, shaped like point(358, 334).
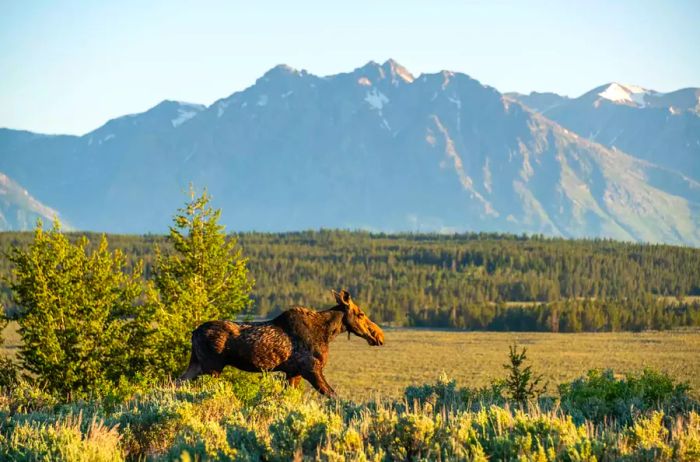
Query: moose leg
point(193, 371)
point(319, 382)
point(293, 380)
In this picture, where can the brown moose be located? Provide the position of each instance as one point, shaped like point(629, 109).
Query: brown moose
point(295, 342)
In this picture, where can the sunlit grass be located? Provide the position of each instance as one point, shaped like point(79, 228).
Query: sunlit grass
point(262, 419)
point(474, 359)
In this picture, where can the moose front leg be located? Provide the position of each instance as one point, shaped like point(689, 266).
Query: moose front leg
point(319, 382)
point(294, 380)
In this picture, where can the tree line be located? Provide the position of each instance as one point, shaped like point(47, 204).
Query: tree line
point(478, 281)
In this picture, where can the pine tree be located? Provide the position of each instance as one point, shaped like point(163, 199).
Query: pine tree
point(205, 278)
point(521, 384)
point(80, 319)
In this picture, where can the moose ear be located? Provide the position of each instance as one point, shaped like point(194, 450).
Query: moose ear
point(342, 297)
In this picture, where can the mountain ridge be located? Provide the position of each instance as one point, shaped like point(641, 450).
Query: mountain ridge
point(374, 148)
point(663, 128)
point(19, 210)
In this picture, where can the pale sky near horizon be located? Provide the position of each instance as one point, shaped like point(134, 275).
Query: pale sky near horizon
point(68, 67)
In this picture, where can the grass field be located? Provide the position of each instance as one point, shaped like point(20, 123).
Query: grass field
point(416, 356)
point(474, 359)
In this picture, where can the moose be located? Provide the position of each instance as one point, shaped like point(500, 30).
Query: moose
point(295, 342)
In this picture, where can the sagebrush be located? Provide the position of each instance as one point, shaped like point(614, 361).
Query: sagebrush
point(244, 417)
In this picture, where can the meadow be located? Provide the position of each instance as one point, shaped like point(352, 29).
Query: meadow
point(413, 356)
point(474, 359)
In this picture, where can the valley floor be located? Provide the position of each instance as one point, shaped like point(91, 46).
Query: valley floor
point(474, 359)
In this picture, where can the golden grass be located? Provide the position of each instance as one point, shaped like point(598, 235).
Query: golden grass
point(417, 356)
point(474, 359)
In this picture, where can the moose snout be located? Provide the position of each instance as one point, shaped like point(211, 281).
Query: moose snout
point(376, 335)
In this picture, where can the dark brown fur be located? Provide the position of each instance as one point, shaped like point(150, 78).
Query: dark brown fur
point(295, 342)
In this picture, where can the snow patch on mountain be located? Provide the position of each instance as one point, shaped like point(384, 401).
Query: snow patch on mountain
point(628, 94)
point(376, 99)
point(487, 176)
point(221, 108)
point(183, 116)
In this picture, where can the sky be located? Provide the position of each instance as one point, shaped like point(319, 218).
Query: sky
point(69, 66)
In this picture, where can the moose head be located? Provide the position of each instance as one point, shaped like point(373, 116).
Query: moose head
point(356, 321)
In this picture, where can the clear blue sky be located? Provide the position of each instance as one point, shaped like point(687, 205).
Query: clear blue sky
point(67, 67)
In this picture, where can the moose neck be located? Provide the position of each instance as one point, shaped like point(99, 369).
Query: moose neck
point(333, 323)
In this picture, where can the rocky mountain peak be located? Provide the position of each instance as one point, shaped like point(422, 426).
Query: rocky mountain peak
point(376, 149)
point(397, 72)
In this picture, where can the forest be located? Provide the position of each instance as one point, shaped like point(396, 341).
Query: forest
point(472, 281)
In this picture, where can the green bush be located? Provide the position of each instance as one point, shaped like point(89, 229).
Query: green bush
point(601, 397)
point(245, 440)
point(62, 440)
point(443, 393)
point(91, 327)
point(26, 396)
point(202, 440)
point(413, 436)
point(302, 430)
point(147, 424)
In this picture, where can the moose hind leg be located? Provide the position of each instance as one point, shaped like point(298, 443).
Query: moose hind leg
point(193, 371)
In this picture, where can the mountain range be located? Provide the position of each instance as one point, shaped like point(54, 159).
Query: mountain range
point(378, 148)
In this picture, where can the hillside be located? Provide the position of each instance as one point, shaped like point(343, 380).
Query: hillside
point(19, 210)
point(376, 148)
